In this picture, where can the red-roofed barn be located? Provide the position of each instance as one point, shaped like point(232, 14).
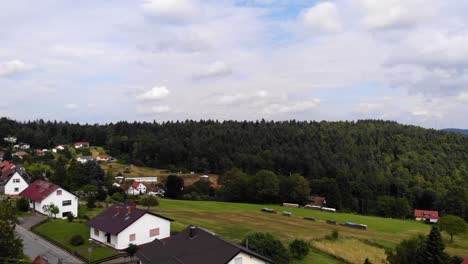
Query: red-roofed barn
point(426, 215)
point(43, 193)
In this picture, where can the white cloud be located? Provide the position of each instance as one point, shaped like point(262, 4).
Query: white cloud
point(387, 14)
point(71, 106)
point(323, 16)
point(216, 69)
point(241, 98)
point(155, 109)
point(155, 93)
point(13, 67)
point(171, 11)
point(291, 107)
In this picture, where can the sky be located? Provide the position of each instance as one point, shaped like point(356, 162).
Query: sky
point(93, 61)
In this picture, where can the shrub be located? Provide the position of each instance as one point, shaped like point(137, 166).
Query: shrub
point(77, 240)
point(333, 236)
point(266, 245)
point(22, 204)
point(299, 249)
point(70, 217)
point(91, 203)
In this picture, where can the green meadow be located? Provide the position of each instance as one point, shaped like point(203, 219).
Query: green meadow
point(235, 220)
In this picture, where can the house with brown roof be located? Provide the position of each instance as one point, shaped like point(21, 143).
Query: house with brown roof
point(426, 215)
point(42, 194)
point(197, 245)
point(13, 179)
point(79, 145)
point(123, 224)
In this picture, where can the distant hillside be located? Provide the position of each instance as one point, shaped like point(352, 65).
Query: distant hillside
point(368, 166)
point(457, 130)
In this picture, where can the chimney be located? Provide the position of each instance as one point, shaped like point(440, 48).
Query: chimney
point(192, 232)
point(117, 210)
point(129, 210)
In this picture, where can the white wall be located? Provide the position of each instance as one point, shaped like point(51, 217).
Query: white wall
point(140, 190)
point(11, 185)
point(243, 258)
point(141, 228)
point(102, 238)
point(57, 201)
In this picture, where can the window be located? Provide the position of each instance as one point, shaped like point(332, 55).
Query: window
point(154, 232)
point(132, 237)
point(16, 180)
point(59, 192)
point(238, 260)
point(16, 189)
point(96, 232)
point(65, 214)
point(66, 202)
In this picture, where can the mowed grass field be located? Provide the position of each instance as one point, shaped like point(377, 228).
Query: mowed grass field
point(235, 220)
point(137, 171)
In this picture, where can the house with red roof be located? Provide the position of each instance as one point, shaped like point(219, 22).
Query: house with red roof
point(103, 158)
point(20, 154)
point(124, 224)
point(426, 215)
point(13, 179)
point(136, 188)
point(59, 148)
point(42, 194)
point(40, 260)
point(79, 145)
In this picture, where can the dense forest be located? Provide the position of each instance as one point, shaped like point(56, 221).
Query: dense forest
point(369, 166)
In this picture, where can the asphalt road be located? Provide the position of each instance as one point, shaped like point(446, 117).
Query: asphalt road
point(34, 246)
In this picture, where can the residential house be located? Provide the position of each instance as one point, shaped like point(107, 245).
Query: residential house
point(197, 245)
point(426, 215)
point(121, 225)
point(20, 154)
point(59, 148)
point(84, 159)
point(10, 139)
point(317, 201)
point(40, 152)
point(13, 179)
point(136, 188)
point(40, 260)
point(79, 145)
point(42, 194)
point(103, 158)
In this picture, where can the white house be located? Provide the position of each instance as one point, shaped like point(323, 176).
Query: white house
point(13, 179)
point(195, 245)
point(121, 225)
point(42, 194)
point(59, 148)
point(136, 188)
point(84, 159)
point(10, 139)
point(103, 158)
point(79, 145)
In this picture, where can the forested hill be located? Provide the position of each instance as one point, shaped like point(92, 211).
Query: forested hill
point(354, 163)
point(457, 130)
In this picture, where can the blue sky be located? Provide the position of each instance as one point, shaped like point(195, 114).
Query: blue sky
point(105, 61)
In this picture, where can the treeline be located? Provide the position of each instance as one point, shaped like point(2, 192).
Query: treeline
point(367, 166)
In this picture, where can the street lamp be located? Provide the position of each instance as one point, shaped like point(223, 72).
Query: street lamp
point(90, 250)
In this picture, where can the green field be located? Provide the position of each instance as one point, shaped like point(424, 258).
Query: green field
point(235, 220)
point(61, 231)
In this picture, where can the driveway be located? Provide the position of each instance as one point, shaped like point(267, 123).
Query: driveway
point(35, 245)
point(31, 220)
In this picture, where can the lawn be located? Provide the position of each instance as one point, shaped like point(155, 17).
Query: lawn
point(235, 220)
point(61, 231)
